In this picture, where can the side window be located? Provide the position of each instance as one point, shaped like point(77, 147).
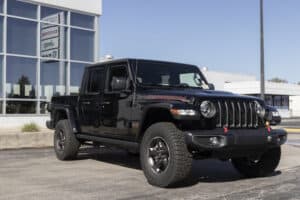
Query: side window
point(96, 80)
point(118, 77)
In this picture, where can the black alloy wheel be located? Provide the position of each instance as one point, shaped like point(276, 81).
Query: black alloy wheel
point(158, 155)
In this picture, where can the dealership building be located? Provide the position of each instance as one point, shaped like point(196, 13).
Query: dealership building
point(44, 46)
point(284, 96)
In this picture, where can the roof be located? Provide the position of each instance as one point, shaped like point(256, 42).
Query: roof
point(134, 60)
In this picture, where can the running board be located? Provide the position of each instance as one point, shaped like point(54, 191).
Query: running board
point(108, 141)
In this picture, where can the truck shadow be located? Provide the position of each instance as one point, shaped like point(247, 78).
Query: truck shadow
point(205, 171)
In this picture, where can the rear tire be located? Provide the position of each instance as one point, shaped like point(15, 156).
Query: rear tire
point(66, 145)
point(264, 166)
point(164, 156)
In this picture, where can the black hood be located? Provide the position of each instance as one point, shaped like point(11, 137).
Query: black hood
point(198, 93)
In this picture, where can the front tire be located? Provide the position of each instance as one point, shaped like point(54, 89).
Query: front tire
point(164, 156)
point(264, 166)
point(66, 145)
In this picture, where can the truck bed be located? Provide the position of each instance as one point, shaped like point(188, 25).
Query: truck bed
point(65, 100)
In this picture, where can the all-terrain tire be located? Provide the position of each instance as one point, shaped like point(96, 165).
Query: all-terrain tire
point(68, 148)
point(180, 160)
point(265, 166)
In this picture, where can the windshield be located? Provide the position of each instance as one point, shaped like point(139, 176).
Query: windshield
point(169, 74)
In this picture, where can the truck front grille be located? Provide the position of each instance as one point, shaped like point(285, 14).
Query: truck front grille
point(236, 114)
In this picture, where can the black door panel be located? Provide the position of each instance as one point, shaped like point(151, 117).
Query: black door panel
point(91, 101)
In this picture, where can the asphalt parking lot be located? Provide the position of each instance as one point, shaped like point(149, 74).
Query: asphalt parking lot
point(112, 174)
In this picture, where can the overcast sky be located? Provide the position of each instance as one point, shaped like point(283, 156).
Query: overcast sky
point(222, 35)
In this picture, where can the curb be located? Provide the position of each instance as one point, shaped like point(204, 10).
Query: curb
point(26, 140)
point(292, 130)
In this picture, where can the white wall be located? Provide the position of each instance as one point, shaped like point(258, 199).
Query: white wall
point(253, 87)
point(295, 106)
point(219, 79)
point(93, 7)
point(16, 122)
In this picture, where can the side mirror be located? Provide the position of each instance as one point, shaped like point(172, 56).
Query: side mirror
point(118, 83)
point(211, 86)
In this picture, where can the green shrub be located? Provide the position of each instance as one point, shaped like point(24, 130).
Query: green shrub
point(31, 127)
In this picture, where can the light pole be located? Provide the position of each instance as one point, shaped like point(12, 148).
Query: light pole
point(262, 53)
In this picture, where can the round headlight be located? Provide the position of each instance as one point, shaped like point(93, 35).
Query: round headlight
point(208, 109)
point(260, 111)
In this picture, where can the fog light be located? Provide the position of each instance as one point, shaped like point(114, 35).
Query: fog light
point(214, 141)
point(269, 138)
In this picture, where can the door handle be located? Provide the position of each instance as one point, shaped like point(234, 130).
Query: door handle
point(105, 103)
point(86, 102)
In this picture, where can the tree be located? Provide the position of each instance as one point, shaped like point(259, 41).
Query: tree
point(23, 80)
point(278, 80)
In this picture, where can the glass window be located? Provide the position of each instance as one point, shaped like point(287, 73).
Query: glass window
point(277, 101)
point(43, 107)
point(116, 72)
point(21, 107)
point(53, 15)
point(269, 100)
point(77, 70)
point(170, 74)
point(21, 9)
point(1, 6)
point(1, 76)
point(96, 80)
point(53, 41)
point(84, 21)
point(53, 79)
point(1, 34)
point(21, 77)
point(82, 45)
point(21, 36)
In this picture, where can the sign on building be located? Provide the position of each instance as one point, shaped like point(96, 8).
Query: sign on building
point(53, 36)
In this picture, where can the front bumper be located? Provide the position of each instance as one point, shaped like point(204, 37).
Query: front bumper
point(219, 139)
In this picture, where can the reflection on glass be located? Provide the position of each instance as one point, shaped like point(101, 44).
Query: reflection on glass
point(1, 71)
point(20, 107)
point(21, 36)
point(77, 70)
point(80, 20)
point(43, 107)
point(53, 15)
point(53, 41)
point(21, 9)
point(1, 34)
point(53, 79)
point(82, 45)
point(21, 77)
point(1, 6)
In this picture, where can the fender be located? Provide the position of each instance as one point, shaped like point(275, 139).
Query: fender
point(71, 116)
point(145, 110)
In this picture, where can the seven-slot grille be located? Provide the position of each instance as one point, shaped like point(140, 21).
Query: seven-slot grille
point(236, 114)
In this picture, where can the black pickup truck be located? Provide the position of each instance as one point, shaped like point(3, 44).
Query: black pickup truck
point(168, 114)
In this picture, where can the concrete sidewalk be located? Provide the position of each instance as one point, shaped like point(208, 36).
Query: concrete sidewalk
point(15, 139)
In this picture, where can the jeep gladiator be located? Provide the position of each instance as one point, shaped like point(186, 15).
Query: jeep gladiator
point(168, 114)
